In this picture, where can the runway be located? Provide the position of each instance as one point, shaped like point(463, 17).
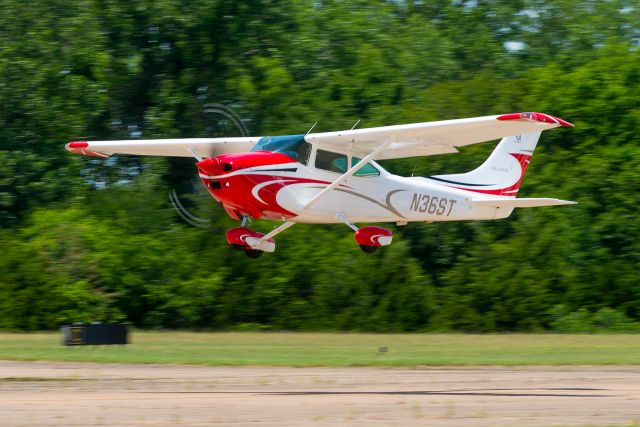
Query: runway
point(82, 394)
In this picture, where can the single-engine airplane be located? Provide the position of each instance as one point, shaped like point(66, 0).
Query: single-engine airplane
point(332, 177)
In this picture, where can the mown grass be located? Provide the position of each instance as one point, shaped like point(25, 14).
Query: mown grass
point(334, 349)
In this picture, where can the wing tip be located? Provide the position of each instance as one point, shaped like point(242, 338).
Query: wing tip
point(81, 147)
point(536, 117)
point(77, 144)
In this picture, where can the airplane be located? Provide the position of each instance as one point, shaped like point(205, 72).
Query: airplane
point(333, 177)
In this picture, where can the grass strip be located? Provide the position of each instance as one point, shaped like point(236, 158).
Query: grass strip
point(334, 349)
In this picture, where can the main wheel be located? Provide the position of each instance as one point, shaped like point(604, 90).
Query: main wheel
point(369, 249)
point(253, 253)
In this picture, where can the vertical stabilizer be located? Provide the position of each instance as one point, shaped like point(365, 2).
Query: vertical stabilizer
point(503, 171)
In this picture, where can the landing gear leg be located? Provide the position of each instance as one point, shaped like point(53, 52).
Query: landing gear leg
point(366, 248)
point(342, 217)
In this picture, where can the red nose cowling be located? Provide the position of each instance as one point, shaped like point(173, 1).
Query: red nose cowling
point(234, 189)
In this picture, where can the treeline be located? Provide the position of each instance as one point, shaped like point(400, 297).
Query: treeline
point(85, 239)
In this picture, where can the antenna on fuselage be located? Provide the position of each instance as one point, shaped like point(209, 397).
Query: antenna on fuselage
point(309, 131)
point(356, 124)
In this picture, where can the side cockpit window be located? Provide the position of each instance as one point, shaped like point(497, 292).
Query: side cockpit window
point(336, 162)
point(333, 162)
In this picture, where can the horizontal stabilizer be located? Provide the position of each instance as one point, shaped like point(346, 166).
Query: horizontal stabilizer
point(522, 203)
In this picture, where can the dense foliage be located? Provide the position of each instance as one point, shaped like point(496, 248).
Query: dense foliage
point(85, 239)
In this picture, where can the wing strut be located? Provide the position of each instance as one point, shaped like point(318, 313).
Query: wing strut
point(193, 153)
point(277, 230)
point(355, 168)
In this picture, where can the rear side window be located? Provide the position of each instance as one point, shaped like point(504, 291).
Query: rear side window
point(333, 162)
point(366, 170)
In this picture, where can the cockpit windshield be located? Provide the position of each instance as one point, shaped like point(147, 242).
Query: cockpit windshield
point(293, 146)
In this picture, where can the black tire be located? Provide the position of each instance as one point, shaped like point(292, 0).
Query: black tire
point(238, 247)
point(253, 253)
point(369, 249)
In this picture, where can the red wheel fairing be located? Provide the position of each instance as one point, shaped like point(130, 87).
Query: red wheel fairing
point(373, 236)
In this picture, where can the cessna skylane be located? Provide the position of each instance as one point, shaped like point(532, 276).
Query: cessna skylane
point(333, 177)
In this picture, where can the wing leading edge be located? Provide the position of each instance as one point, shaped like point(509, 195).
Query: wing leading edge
point(431, 138)
point(184, 147)
point(410, 140)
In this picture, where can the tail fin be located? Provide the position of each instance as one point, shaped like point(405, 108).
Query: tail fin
point(503, 171)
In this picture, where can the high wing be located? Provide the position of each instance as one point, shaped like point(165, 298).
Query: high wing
point(417, 139)
point(185, 147)
point(431, 138)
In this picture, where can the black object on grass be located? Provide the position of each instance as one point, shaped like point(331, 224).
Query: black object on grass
point(95, 334)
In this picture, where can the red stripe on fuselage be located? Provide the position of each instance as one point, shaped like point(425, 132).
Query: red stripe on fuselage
point(235, 192)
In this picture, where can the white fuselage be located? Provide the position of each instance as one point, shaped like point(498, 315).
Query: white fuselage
point(382, 198)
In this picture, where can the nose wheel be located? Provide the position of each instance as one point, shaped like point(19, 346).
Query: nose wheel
point(253, 244)
point(251, 253)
